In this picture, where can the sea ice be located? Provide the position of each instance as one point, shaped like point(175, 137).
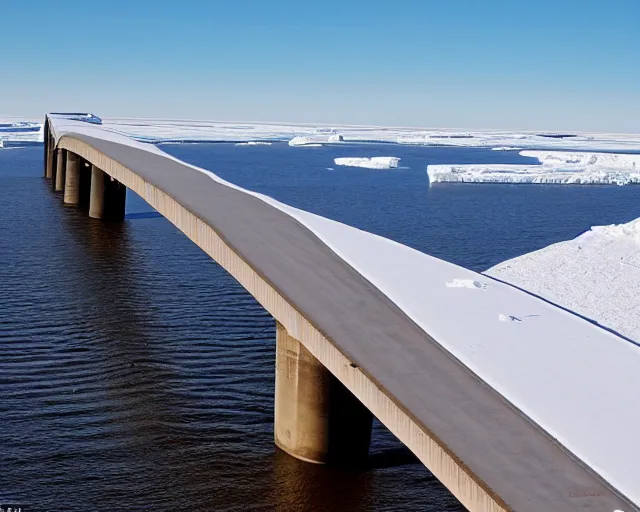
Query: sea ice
point(557, 167)
point(597, 275)
point(375, 162)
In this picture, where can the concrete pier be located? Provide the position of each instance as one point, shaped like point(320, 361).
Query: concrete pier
point(61, 162)
point(49, 162)
point(96, 199)
point(317, 419)
point(115, 197)
point(84, 183)
point(72, 180)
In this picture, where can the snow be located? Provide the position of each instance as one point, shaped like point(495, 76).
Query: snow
point(583, 159)
point(317, 139)
point(577, 381)
point(172, 130)
point(466, 283)
point(254, 143)
point(506, 148)
point(375, 162)
point(300, 141)
point(597, 275)
point(20, 130)
point(557, 167)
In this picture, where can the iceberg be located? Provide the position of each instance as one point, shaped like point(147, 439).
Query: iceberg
point(375, 162)
point(302, 141)
point(556, 167)
point(620, 161)
point(316, 140)
point(20, 132)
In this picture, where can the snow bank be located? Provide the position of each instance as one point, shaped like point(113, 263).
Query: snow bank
point(597, 275)
point(376, 162)
point(556, 167)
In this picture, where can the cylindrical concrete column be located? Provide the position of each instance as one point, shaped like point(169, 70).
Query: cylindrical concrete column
point(317, 419)
point(84, 183)
point(61, 163)
point(115, 198)
point(96, 200)
point(45, 147)
point(72, 180)
point(49, 167)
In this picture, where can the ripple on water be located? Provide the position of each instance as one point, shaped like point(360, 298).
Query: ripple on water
point(135, 373)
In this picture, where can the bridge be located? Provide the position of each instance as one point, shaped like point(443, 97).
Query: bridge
point(511, 402)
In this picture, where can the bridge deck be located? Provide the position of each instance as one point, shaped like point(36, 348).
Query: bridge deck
point(477, 442)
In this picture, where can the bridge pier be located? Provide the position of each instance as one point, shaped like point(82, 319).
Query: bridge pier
point(61, 162)
point(96, 198)
point(49, 161)
point(72, 180)
point(84, 183)
point(317, 419)
point(115, 198)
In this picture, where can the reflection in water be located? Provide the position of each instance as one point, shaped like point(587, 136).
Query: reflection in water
point(303, 487)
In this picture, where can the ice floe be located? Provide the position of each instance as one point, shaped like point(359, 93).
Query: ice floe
point(583, 159)
point(597, 275)
point(254, 143)
point(20, 130)
point(375, 162)
point(557, 167)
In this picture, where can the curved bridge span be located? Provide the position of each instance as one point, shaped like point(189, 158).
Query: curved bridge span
point(508, 415)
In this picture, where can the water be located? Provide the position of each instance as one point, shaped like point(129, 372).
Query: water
point(136, 374)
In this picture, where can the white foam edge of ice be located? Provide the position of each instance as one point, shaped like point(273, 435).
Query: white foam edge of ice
point(576, 400)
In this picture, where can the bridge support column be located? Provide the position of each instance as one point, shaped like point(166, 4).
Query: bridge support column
point(49, 163)
point(72, 180)
point(115, 198)
point(317, 419)
point(61, 162)
point(96, 200)
point(84, 183)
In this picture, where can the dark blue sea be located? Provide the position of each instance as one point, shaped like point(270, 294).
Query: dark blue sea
point(135, 374)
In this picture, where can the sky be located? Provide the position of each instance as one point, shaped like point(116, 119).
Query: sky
point(508, 64)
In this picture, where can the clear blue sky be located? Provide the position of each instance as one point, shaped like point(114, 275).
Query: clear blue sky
point(543, 64)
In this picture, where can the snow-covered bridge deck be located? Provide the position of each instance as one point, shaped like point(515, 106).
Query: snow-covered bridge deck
point(512, 403)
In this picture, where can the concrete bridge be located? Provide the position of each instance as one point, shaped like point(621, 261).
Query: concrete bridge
point(511, 402)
